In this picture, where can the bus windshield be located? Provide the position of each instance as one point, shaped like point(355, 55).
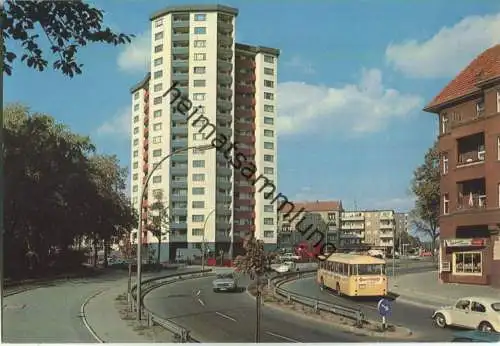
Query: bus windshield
point(371, 269)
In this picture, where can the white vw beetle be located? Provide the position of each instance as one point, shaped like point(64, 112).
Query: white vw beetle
point(471, 312)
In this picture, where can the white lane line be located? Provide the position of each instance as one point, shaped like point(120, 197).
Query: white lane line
point(283, 337)
point(225, 316)
point(201, 302)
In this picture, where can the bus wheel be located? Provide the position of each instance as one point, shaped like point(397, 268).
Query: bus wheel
point(322, 284)
point(337, 289)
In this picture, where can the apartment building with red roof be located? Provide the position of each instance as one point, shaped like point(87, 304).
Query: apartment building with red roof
point(469, 142)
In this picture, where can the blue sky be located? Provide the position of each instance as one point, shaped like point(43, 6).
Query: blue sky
point(354, 76)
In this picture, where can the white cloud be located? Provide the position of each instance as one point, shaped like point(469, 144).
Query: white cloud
point(135, 57)
point(362, 108)
point(447, 52)
point(118, 126)
point(300, 65)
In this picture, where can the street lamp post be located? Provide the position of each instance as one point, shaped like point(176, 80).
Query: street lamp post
point(139, 232)
point(203, 240)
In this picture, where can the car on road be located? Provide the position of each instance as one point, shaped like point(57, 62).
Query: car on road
point(225, 282)
point(286, 267)
point(480, 313)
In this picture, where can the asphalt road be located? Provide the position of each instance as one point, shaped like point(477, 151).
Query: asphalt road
point(51, 314)
point(230, 317)
point(416, 318)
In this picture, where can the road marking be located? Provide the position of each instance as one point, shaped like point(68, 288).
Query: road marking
point(283, 337)
point(201, 302)
point(198, 293)
point(84, 317)
point(225, 316)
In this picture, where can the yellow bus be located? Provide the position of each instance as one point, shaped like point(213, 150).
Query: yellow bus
point(353, 275)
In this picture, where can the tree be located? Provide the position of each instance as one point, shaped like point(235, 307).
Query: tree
point(253, 263)
point(57, 192)
point(67, 25)
point(159, 221)
point(425, 187)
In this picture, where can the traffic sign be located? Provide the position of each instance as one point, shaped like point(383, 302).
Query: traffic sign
point(384, 307)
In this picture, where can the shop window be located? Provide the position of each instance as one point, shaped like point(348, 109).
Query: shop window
point(467, 263)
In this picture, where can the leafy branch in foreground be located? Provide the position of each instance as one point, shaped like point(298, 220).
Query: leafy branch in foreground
point(66, 25)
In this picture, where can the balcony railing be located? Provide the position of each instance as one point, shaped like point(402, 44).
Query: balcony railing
point(471, 202)
point(471, 157)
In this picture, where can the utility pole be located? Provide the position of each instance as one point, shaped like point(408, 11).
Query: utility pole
point(203, 249)
point(257, 317)
point(2, 162)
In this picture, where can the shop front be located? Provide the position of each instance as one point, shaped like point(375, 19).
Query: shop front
point(465, 260)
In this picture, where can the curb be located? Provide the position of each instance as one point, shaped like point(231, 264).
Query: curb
point(84, 318)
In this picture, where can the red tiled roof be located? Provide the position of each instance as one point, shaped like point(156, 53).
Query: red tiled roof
point(485, 66)
point(318, 206)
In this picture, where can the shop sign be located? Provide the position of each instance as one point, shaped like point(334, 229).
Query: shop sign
point(464, 242)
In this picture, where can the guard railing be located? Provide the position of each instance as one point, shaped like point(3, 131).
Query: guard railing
point(281, 293)
point(180, 333)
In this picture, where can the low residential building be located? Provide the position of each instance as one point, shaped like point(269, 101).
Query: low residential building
point(380, 227)
point(353, 228)
point(469, 144)
point(323, 216)
point(402, 224)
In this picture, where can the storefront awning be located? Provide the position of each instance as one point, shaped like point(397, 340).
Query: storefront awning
point(465, 242)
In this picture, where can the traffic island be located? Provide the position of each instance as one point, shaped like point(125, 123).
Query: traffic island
point(149, 333)
point(369, 328)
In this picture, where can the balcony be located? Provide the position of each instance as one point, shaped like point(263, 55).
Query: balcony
point(245, 113)
point(238, 202)
point(224, 92)
point(387, 216)
point(176, 37)
point(244, 228)
point(245, 63)
point(178, 198)
point(387, 225)
point(180, 50)
point(180, 63)
point(245, 89)
point(179, 184)
point(226, 131)
point(352, 235)
point(178, 212)
point(247, 77)
point(244, 189)
point(178, 117)
point(224, 65)
point(179, 130)
point(245, 101)
point(386, 235)
point(225, 27)
point(224, 116)
point(225, 39)
point(471, 150)
point(224, 184)
point(224, 78)
point(247, 151)
point(353, 217)
point(471, 194)
point(353, 226)
point(183, 142)
point(224, 52)
point(245, 126)
point(179, 169)
point(180, 157)
point(180, 24)
point(179, 76)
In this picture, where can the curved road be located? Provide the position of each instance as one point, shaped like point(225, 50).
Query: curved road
point(230, 317)
point(416, 318)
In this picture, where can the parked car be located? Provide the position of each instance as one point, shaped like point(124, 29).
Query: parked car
point(470, 312)
point(287, 266)
point(475, 336)
point(225, 282)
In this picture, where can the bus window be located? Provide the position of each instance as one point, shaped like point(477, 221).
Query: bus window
point(353, 270)
point(383, 269)
point(370, 269)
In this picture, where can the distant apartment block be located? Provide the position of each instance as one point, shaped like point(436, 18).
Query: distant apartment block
point(380, 228)
point(352, 228)
point(321, 215)
point(234, 87)
point(469, 144)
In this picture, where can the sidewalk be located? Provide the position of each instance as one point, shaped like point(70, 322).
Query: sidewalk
point(424, 289)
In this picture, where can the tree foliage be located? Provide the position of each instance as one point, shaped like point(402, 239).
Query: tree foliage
point(66, 25)
point(160, 221)
point(58, 192)
point(254, 261)
point(425, 187)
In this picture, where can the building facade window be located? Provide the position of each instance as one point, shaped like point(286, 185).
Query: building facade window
point(157, 153)
point(157, 127)
point(268, 234)
point(158, 74)
point(136, 153)
point(157, 140)
point(200, 17)
point(445, 163)
point(268, 121)
point(269, 208)
point(200, 30)
point(159, 35)
point(198, 163)
point(136, 141)
point(199, 69)
point(269, 158)
point(199, 97)
point(198, 218)
point(446, 204)
point(197, 232)
point(136, 130)
point(200, 57)
point(136, 107)
point(268, 221)
point(136, 96)
point(268, 108)
point(157, 100)
point(198, 204)
point(268, 83)
point(159, 22)
point(269, 96)
point(444, 123)
point(158, 48)
point(498, 148)
point(480, 108)
point(135, 176)
point(268, 145)
point(158, 87)
point(198, 190)
point(199, 83)
point(268, 170)
point(498, 101)
point(269, 59)
point(157, 113)
point(467, 263)
point(268, 133)
point(157, 179)
point(200, 43)
point(268, 71)
point(198, 176)
point(158, 61)
point(136, 164)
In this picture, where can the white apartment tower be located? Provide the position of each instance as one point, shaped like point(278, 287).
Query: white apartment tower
point(233, 86)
